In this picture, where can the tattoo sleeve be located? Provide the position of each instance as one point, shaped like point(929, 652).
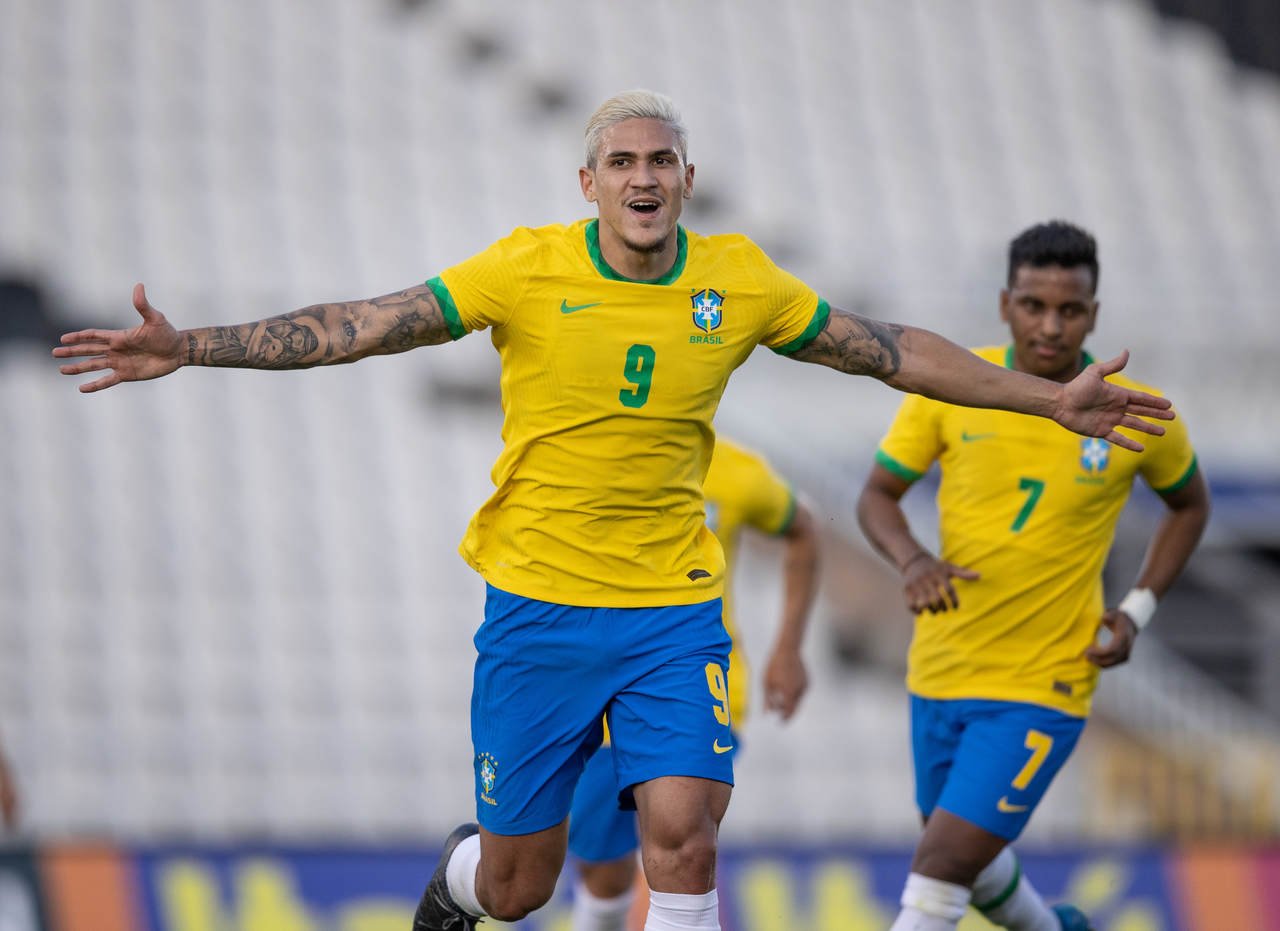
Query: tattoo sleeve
point(324, 334)
point(855, 344)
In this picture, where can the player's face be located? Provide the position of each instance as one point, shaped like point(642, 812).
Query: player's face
point(1050, 311)
point(639, 182)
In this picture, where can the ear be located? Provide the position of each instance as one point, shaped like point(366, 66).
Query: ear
point(688, 182)
point(587, 180)
point(1004, 304)
point(1093, 316)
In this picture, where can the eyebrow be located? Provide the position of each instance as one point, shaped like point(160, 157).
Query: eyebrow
point(653, 154)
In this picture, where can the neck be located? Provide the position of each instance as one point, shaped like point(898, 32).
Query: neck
point(638, 264)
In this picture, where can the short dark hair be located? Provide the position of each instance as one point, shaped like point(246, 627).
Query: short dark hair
point(1054, 243)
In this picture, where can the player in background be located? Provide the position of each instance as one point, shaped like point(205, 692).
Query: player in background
point(1008, 644)
point(8, 795)
point(616, 335)
point(742, 491)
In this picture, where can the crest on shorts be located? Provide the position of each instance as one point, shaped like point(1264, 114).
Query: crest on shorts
point(706, 309)
point(487, 770)
point(1095, 454)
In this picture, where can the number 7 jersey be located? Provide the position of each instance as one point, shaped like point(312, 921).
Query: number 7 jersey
point(1033, 508)
point(609, 387)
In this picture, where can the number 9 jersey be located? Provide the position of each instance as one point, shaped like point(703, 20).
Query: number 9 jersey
point(609, 387)
point(1033, 508)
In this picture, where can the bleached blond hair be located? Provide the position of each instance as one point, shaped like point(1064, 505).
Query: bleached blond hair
point(633, 105)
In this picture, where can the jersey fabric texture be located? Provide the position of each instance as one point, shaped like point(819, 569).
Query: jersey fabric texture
point(741, 491)
point(990, 762)
point(1033, 508)
point(609, 387)
point(546, 672)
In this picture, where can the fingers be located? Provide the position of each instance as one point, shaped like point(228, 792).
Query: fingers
point(1111, 366)
point(96, 364)
point(106, 381)
point(1119, 439)
point(970, 575)
point(142, 305)
point(1134, 422)
point(83, 339)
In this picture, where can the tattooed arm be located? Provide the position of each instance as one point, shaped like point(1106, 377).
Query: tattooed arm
point(922, 362)
point(323, 334)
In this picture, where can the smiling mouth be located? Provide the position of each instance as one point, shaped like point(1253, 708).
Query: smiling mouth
point(644, 207)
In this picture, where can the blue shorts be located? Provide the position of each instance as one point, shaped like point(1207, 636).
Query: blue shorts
point(989, 762)
point(600, 829)
point(547, 673)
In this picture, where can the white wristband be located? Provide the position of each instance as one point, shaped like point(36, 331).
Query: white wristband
point(1139, 604)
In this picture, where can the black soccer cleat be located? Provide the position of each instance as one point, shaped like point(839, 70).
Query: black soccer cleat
point(437, 911)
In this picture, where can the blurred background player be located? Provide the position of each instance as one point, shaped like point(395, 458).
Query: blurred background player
point(742, 491)
point(1007, 646)
point(8, 795)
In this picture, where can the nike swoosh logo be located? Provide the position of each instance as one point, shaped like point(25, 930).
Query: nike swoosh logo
point(567, 308)
point(719, 749)
point(967, 437)
point(1008, 807)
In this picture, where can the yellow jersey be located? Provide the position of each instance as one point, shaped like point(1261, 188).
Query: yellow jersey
point(1033, 508)
point(742, 491)
point(609, 387)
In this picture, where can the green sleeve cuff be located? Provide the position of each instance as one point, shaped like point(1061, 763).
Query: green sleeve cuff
point(447, 307)
point(820, 315)
point(1181, 482)
point(896, 467)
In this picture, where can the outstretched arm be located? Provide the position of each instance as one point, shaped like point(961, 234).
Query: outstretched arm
point(926, 580)
point(785, 677)
point(1171, 546)
point(323, 334)
point(922, 362)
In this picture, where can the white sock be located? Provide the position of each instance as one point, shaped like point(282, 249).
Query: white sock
point(595, 914)
point(1008, 899)
point(460, 872)
point(671, 911)
point(931, 905)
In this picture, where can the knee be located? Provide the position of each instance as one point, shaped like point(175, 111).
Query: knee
point(510, 903)
point(691, 856)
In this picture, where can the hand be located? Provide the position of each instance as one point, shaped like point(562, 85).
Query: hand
point(785, 682)
point(1116, 650)
point(1092, 406)
point(149, 350)
point(927, 583)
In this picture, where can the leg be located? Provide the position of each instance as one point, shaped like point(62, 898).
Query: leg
point(1007, 898)
point(603, 841)
point(679, 821)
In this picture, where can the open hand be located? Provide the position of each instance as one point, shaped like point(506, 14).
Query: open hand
point(149, 350)
point(1092, 406)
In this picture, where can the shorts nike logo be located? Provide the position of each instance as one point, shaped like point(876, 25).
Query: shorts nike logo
point(567, 308)
point(1008, 808)
point(967, 437)
point(719, 749)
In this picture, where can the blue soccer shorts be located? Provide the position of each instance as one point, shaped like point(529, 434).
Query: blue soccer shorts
point(600, 829)
point(989, 762)
point(545, 675)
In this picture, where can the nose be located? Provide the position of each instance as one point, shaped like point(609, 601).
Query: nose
point(1051, 322)
point(643, 175)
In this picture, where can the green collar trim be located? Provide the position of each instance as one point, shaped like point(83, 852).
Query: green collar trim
point(1086, 359)
point(597, 257)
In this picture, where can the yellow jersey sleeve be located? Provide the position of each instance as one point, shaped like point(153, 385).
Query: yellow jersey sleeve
point(484, 290)
point(914, 440)
point(797, 314)
point(1170, 461)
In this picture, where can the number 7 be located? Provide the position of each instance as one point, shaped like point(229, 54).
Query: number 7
point(1036, 488)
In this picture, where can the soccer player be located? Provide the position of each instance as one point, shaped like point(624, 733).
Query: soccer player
point(616, 335)
point(742, 491)
point(8, 795)
point(1007, 647)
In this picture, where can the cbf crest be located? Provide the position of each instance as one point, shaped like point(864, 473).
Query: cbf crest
point(1095, 454)
point(488, 773)
point(707, 305)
